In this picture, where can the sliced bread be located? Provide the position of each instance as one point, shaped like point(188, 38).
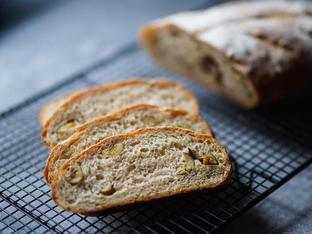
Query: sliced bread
point(143, 165)
point(124, 121)
point(48, 110)
point(95, 102)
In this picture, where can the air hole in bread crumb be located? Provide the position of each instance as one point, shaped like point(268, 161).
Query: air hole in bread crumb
point(70, 201)
point(134, 143)
point(144, 150)
point(99, 177)
point(178, 145)
point(132, 123)
point(162, 152)
point(131, 167)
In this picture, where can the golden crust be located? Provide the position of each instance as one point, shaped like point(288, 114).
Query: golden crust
point(80, 95)
point(158, 195)
point(43, 113)
point(48, 110)
point(60, 148)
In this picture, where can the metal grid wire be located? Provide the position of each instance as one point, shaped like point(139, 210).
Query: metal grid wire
point(267, 147)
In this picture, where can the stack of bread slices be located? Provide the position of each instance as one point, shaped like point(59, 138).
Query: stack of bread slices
point(126, 142)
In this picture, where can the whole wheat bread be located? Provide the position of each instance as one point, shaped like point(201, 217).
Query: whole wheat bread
point(95, 102)
point(139, 166)
point(252, 52)
point(126, 120)
point(49, 109)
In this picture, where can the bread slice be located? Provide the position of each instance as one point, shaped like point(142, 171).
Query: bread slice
point(126, 120)
point(143, 165)
point(49, 109)
point(252, 52)
point(92, 103)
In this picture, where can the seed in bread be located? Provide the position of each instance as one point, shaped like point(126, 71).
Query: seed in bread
point(148, 167)
point(252, 52)
point(92, 103)
point(126, 120)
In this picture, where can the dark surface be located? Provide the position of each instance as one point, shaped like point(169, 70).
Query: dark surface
point(53, 44)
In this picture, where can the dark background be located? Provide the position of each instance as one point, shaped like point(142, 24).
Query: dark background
point(43, 42)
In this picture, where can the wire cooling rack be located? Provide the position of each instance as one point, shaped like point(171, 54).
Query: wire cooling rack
point(267, 147)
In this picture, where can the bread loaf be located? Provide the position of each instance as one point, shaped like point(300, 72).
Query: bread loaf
point(252, 52)
point(95, 102)
point(126, 120)
point(139, 166)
